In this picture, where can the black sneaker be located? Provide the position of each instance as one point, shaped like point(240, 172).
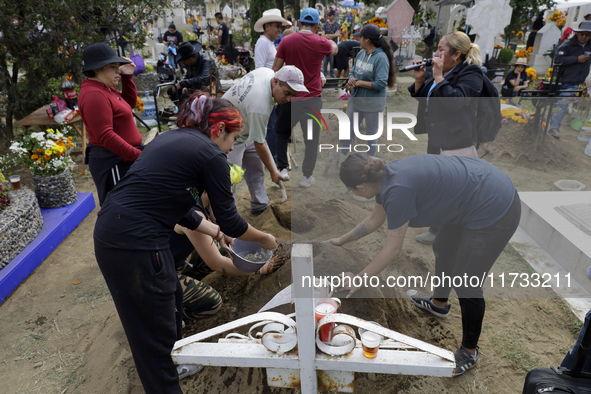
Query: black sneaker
point(464, 360)
point(258, 212)
point(423, 301)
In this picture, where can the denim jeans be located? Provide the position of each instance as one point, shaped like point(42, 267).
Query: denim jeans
point(371, 127)
point(562, 106)
point(570, 356)
point(325, 62)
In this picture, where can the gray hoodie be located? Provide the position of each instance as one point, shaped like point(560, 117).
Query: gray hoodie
point(374, 67)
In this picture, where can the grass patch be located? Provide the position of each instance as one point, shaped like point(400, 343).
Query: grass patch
point(93, 296)
point(511, 347)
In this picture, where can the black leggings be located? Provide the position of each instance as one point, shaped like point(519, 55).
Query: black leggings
point(460, 251)
point(147, 295)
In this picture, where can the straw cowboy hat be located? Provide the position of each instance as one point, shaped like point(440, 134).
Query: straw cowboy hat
point(272, 15)
point(520, 62)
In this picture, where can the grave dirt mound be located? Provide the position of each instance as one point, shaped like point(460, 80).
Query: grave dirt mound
point(515, 144)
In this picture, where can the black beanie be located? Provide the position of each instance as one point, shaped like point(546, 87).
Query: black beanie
point(172, 26)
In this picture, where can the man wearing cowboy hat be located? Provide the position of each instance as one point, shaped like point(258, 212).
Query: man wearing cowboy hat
point(197, 76)
point(270, 25)
point(572, 58)
point(516, 79)
point(254, 95)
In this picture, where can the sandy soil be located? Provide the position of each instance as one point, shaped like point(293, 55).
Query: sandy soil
point(58, 337)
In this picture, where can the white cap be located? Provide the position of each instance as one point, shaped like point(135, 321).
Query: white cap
point(293, 76)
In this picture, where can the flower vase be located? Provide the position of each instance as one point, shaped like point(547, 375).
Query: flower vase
point(54, 191)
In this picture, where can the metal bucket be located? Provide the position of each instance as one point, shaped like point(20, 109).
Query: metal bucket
point(241, 247)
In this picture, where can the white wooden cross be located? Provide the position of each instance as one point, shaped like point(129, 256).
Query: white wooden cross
point(307, 368)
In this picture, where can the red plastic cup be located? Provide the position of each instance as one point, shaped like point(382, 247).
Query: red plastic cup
point(322, 308)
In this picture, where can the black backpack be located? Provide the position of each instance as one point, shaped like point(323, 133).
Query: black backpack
point(488, 112)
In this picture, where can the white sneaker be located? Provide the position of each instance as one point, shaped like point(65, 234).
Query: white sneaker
point(307, 181)
point(284, 174)
point(188, 370)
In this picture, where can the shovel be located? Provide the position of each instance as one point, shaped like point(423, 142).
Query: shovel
point(283, 192)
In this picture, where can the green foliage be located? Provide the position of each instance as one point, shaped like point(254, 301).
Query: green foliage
point(257, 7)
point(523, 12)
point(4, 199)
point(43, 97)
point(240, 37)
point(43, 41)
point(150, 69)
point(505, 56)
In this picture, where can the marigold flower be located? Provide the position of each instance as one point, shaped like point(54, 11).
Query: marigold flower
point(47, 152)
point(47, 157)
point(34, 157)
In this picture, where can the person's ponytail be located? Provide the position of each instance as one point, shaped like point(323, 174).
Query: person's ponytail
point(474, 56)
point(458, 41)
point(360, 168)
point(205, 114)
point(383, 43)
point(388, 49)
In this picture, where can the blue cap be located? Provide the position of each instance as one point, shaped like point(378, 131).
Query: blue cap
point(310, 15)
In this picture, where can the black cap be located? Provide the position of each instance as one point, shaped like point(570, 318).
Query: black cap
point(187, 49)
point(98, 55)
point(369, 31)
point(331, 13)
point(172, 26)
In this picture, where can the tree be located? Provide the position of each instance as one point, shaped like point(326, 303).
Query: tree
point(523, 12)
point(43, 39)
point(257, 7)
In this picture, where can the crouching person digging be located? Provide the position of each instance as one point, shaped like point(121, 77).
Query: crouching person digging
point(475, 203)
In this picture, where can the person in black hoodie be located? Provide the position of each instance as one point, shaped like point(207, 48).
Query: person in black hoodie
point(197, 75)
point(446, 113)
point(573, 59)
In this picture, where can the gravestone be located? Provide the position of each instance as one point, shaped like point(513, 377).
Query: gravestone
point(399, 17)
point(577, 214)
point(546, 37)
point(227, 12)
point(455, 17)
point(211, 7)
point(487, 19)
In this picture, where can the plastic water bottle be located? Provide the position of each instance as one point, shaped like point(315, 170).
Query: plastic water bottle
point(149, 112)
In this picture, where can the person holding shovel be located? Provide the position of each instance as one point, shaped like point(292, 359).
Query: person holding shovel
point(254, 95)
point(476, 206)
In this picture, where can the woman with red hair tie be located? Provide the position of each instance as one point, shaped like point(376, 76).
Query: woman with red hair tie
point(131, 235)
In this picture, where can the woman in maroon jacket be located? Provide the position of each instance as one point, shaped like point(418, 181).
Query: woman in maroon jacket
point(115, 142)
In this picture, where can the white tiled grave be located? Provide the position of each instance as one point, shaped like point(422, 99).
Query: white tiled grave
point(551, 243)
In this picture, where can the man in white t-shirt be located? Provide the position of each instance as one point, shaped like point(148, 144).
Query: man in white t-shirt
point(264, 55)
point(270, 25)
point(254, 95)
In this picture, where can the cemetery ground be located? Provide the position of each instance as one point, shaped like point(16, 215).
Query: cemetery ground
point(61, 333)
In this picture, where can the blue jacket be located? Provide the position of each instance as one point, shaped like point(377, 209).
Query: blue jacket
point(374, 67)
